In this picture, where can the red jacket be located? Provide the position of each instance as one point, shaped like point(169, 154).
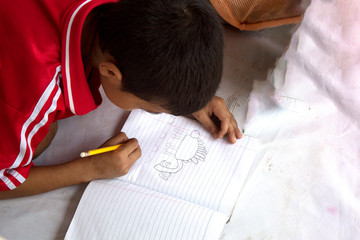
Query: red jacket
point(42, 76)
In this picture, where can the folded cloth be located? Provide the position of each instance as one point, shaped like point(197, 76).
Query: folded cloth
point(257, 14)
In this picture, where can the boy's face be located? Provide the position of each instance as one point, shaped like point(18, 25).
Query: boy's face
point(129, 101)
point(111, 78)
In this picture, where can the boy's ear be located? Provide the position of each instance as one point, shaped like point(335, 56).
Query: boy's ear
point(109, 70)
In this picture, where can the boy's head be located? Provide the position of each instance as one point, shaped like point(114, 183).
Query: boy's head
point(168, 52)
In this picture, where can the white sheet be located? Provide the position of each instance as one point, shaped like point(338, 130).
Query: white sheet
point(305, 182)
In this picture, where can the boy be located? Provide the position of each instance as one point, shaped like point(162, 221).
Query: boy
point(157, 55)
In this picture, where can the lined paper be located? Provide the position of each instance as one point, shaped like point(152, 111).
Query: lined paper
point(214, 182)
point(184, 186)
point(118, 210)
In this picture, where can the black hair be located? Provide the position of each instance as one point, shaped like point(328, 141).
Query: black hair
point(168, 51)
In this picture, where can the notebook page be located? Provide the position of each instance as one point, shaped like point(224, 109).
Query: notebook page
point(112, 209)
point(181, 159)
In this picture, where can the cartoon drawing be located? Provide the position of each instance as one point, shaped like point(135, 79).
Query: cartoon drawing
point(190, 150)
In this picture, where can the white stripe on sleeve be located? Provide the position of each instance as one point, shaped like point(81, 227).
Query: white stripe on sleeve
point(38, 108)
point(67, 58)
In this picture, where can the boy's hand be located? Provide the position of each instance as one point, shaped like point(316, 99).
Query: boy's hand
point(217, 118)
point(118, 162)
point(106, 165)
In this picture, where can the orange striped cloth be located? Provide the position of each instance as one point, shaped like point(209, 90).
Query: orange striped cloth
point(258, 14)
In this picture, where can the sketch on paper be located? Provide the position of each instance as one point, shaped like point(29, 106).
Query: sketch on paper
point(182, 148)
point(157, 144)
point(233, 104)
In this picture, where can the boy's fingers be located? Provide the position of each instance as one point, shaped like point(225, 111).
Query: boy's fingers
point(230, 127)
point(225, 126)
point(208, 124)
point(131, 146)
point(117, 139)
point(231, 134)
point(238, 133)
point(135, 155)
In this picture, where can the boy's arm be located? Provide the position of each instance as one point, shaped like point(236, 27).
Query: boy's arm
point(107, 165)
point(224, 122)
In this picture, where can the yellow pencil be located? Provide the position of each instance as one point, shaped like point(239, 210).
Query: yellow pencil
point(99, 150)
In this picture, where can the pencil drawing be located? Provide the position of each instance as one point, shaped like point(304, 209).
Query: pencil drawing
point(181, 148)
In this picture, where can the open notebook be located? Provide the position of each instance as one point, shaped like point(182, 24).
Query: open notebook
point(184, 186)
